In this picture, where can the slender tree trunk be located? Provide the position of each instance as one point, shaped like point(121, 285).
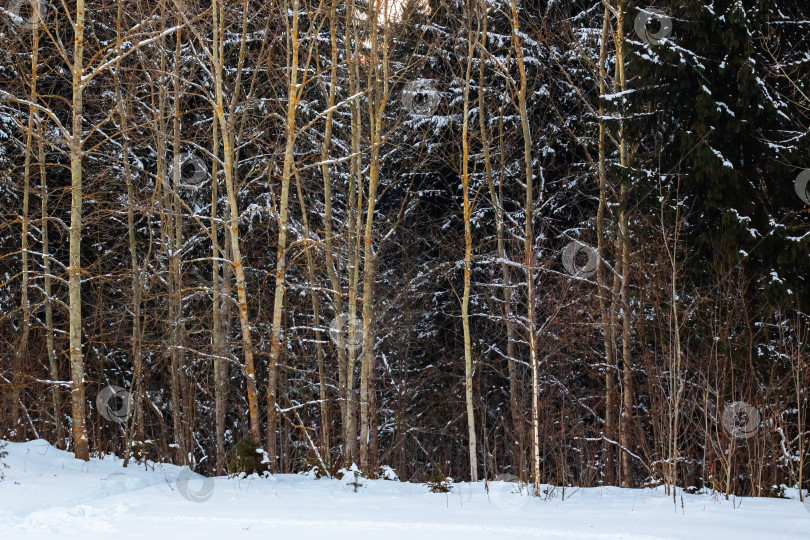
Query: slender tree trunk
point(798, 368)
point(182, 412)
point(21, 354)
point(378, 88)
point(327, 194)
point(169, 241)
point(220, 360)
point(497, 202)
point(227, 130)
point(529, 251)
point(316, 314)
point(355, 219)
point(133, 251)
point(367, 353)
point(601, 278)
point(465, 304)
point(624, 238)
point(81, 446)
point(53, 367)
point(281, 245)
point(675, 374)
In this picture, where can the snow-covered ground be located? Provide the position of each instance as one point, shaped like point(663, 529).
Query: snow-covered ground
point(47, 493)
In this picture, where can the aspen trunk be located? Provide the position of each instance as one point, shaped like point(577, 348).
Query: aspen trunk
point(355, 218)
point(21, 354)
point(316, 314)
point(180, 408)
point(529, 251)
point(281, 245)
point(607, 327)
point(53, 367)
point(227, 130)
point(168, 216)
point(134, 424)
point(624, 239)
point(80, 442)
point(327, 194)
point(378, 89)
point(465, 305)
point(675, 374)
point(220, 361)
point(496, 198)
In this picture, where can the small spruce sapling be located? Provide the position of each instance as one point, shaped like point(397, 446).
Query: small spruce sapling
point(440, 484)
point(245, 458)
point(353, 475)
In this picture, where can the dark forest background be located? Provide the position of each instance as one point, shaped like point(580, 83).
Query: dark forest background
point(668, 248)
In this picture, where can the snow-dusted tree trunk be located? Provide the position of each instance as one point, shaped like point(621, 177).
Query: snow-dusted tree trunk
point(352, 43)
point(465, 303)
point(528, 248)
point(497, 203)
point(608, 329)
point(624, 243)
point(181, 409)
point(21, 354)
point(135, 422)
point(281, 243)
point(53, 366)
point(378, 89)
point(676, 375)
point(328, 234)
point(226, 126)
point(220, 363)
point(316, 315)
point(81, 446)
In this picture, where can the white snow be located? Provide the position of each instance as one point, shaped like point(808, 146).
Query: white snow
point(47, 493)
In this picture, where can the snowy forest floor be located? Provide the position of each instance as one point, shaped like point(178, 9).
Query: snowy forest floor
point(46, 493)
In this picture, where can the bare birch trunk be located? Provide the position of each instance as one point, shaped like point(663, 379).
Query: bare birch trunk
point(465, 305)
point(529, 250)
